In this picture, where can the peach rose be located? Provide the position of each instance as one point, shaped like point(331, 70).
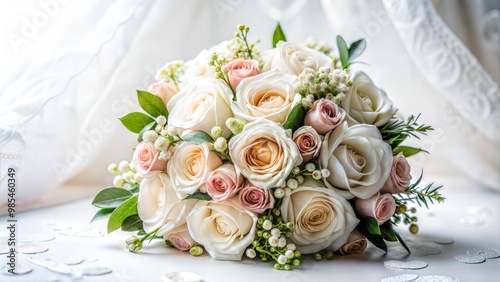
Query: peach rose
point(164, 90)
point(379, 206)
point(180, 238)
point(399, 177)
point(308, 141)
point(240, 69)
point(256, 199)
point(146, 159)
point(223, 183)
point(324, 116)
point(356, 244)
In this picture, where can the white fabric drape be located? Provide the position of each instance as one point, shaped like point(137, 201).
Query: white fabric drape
point(63, 90)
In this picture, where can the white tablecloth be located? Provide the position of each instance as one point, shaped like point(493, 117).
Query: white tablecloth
point(464, 200)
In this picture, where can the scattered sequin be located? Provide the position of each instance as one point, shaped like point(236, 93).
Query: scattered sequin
point(412, 264)
point(471, 221)
point(72, 259)
point(18, 270)
point(56, 225)
point(82, 231)
point(400, 278)
point(470, 259)
point(487, 253)
point(96, 270)
point(34, 238)
point(443, 240)
point(436, 278)
point(32, 248)
point(422, 250)
point(182, 276)
point(91, 258)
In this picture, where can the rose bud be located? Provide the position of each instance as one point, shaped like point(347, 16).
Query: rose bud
point(324, 116)
point(379, 206)
point(308, 141)
point(355, 244)
point(223, 183)
point(399, 177)
point(164, 90)
point(256, 199)
point(240, 69)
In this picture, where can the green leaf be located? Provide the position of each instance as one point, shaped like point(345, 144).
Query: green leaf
point(407, 151)
point(136, 121)
point(278, 35)
point(388, 233)
point(111, 197)
point(152, 104)
point(343, 51)
point(295, 118)
point(197, 137)
point(356, 49)
point(132, 223)
point(199, 196)
point(402, 241)
point(126, 209)
point(150, 126)
point(101, 214)
point(376, 240)
point(372, 226)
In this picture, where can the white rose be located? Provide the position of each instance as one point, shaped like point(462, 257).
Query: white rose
point(201, 105)
point(294, 58)
point(366, 103)
point(176, 216)
point(199, 68)
point(358, 159)
point(269, 95)
point(224, 228)
point(156, 198)
point(264, 153)
point(321, 218)
point(190, 165)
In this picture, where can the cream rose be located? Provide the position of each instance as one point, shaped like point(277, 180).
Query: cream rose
point(356, 244)
point(264, 153)
point(366, 103)
point(223, 183)
point(269, 95)
point(358, 159)
point(156, 198)
point(180, 238)
point(190, 165)
point(164, 90)
point(308, 141)
point(379, 206)
point(239, 69)
point(146, 159)
point(225, 228)
point(321, 218)
point(201, 105)
point(294, 58)
point(399, 177)
point(324, 116)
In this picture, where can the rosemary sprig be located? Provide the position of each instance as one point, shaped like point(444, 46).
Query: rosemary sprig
point(396, 130)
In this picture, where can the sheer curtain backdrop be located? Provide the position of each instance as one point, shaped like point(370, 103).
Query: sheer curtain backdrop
point(70, 69)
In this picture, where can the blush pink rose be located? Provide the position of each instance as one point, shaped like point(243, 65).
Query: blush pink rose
point(379, 206)
point(240, 69)
point(223, 182)
point(355, 244)
point(324, 116)
point(164, 90)
point(181, 240)
point(146, 159)
point(399, 177)
point(308, 141)
point(256, 199)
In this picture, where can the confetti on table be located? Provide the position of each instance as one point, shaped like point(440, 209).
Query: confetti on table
point(182, 276)
point(471, 221)
point(32, 248)
point(19, 270)
point(470, 259)
point(436, 278)
point(71, 259)
point(96, 270)
point(412, 264)
point(400, 278)
point(35, 238)
point(56, 225)
point(487, 253)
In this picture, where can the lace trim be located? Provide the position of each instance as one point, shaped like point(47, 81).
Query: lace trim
point(447, 63)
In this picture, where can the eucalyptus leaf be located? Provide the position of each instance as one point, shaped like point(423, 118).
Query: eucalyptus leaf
point(295, 118)
point(407, 151)
point(136, 121)
point(101, 214)
point(126, 209)
point(152, 104)
point(343, 51)
point(372, 226)
point(111, 197)
point(278, 35)
point(199, 196)
point(132, 223)
point(197, 137)
point(356, 49)
point(388, 233)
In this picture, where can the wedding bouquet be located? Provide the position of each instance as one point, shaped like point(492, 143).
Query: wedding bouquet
point(274, 154)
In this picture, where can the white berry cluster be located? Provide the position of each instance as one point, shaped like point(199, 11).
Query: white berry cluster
point(171, 71)
point(312, 43)
point(126, 174)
